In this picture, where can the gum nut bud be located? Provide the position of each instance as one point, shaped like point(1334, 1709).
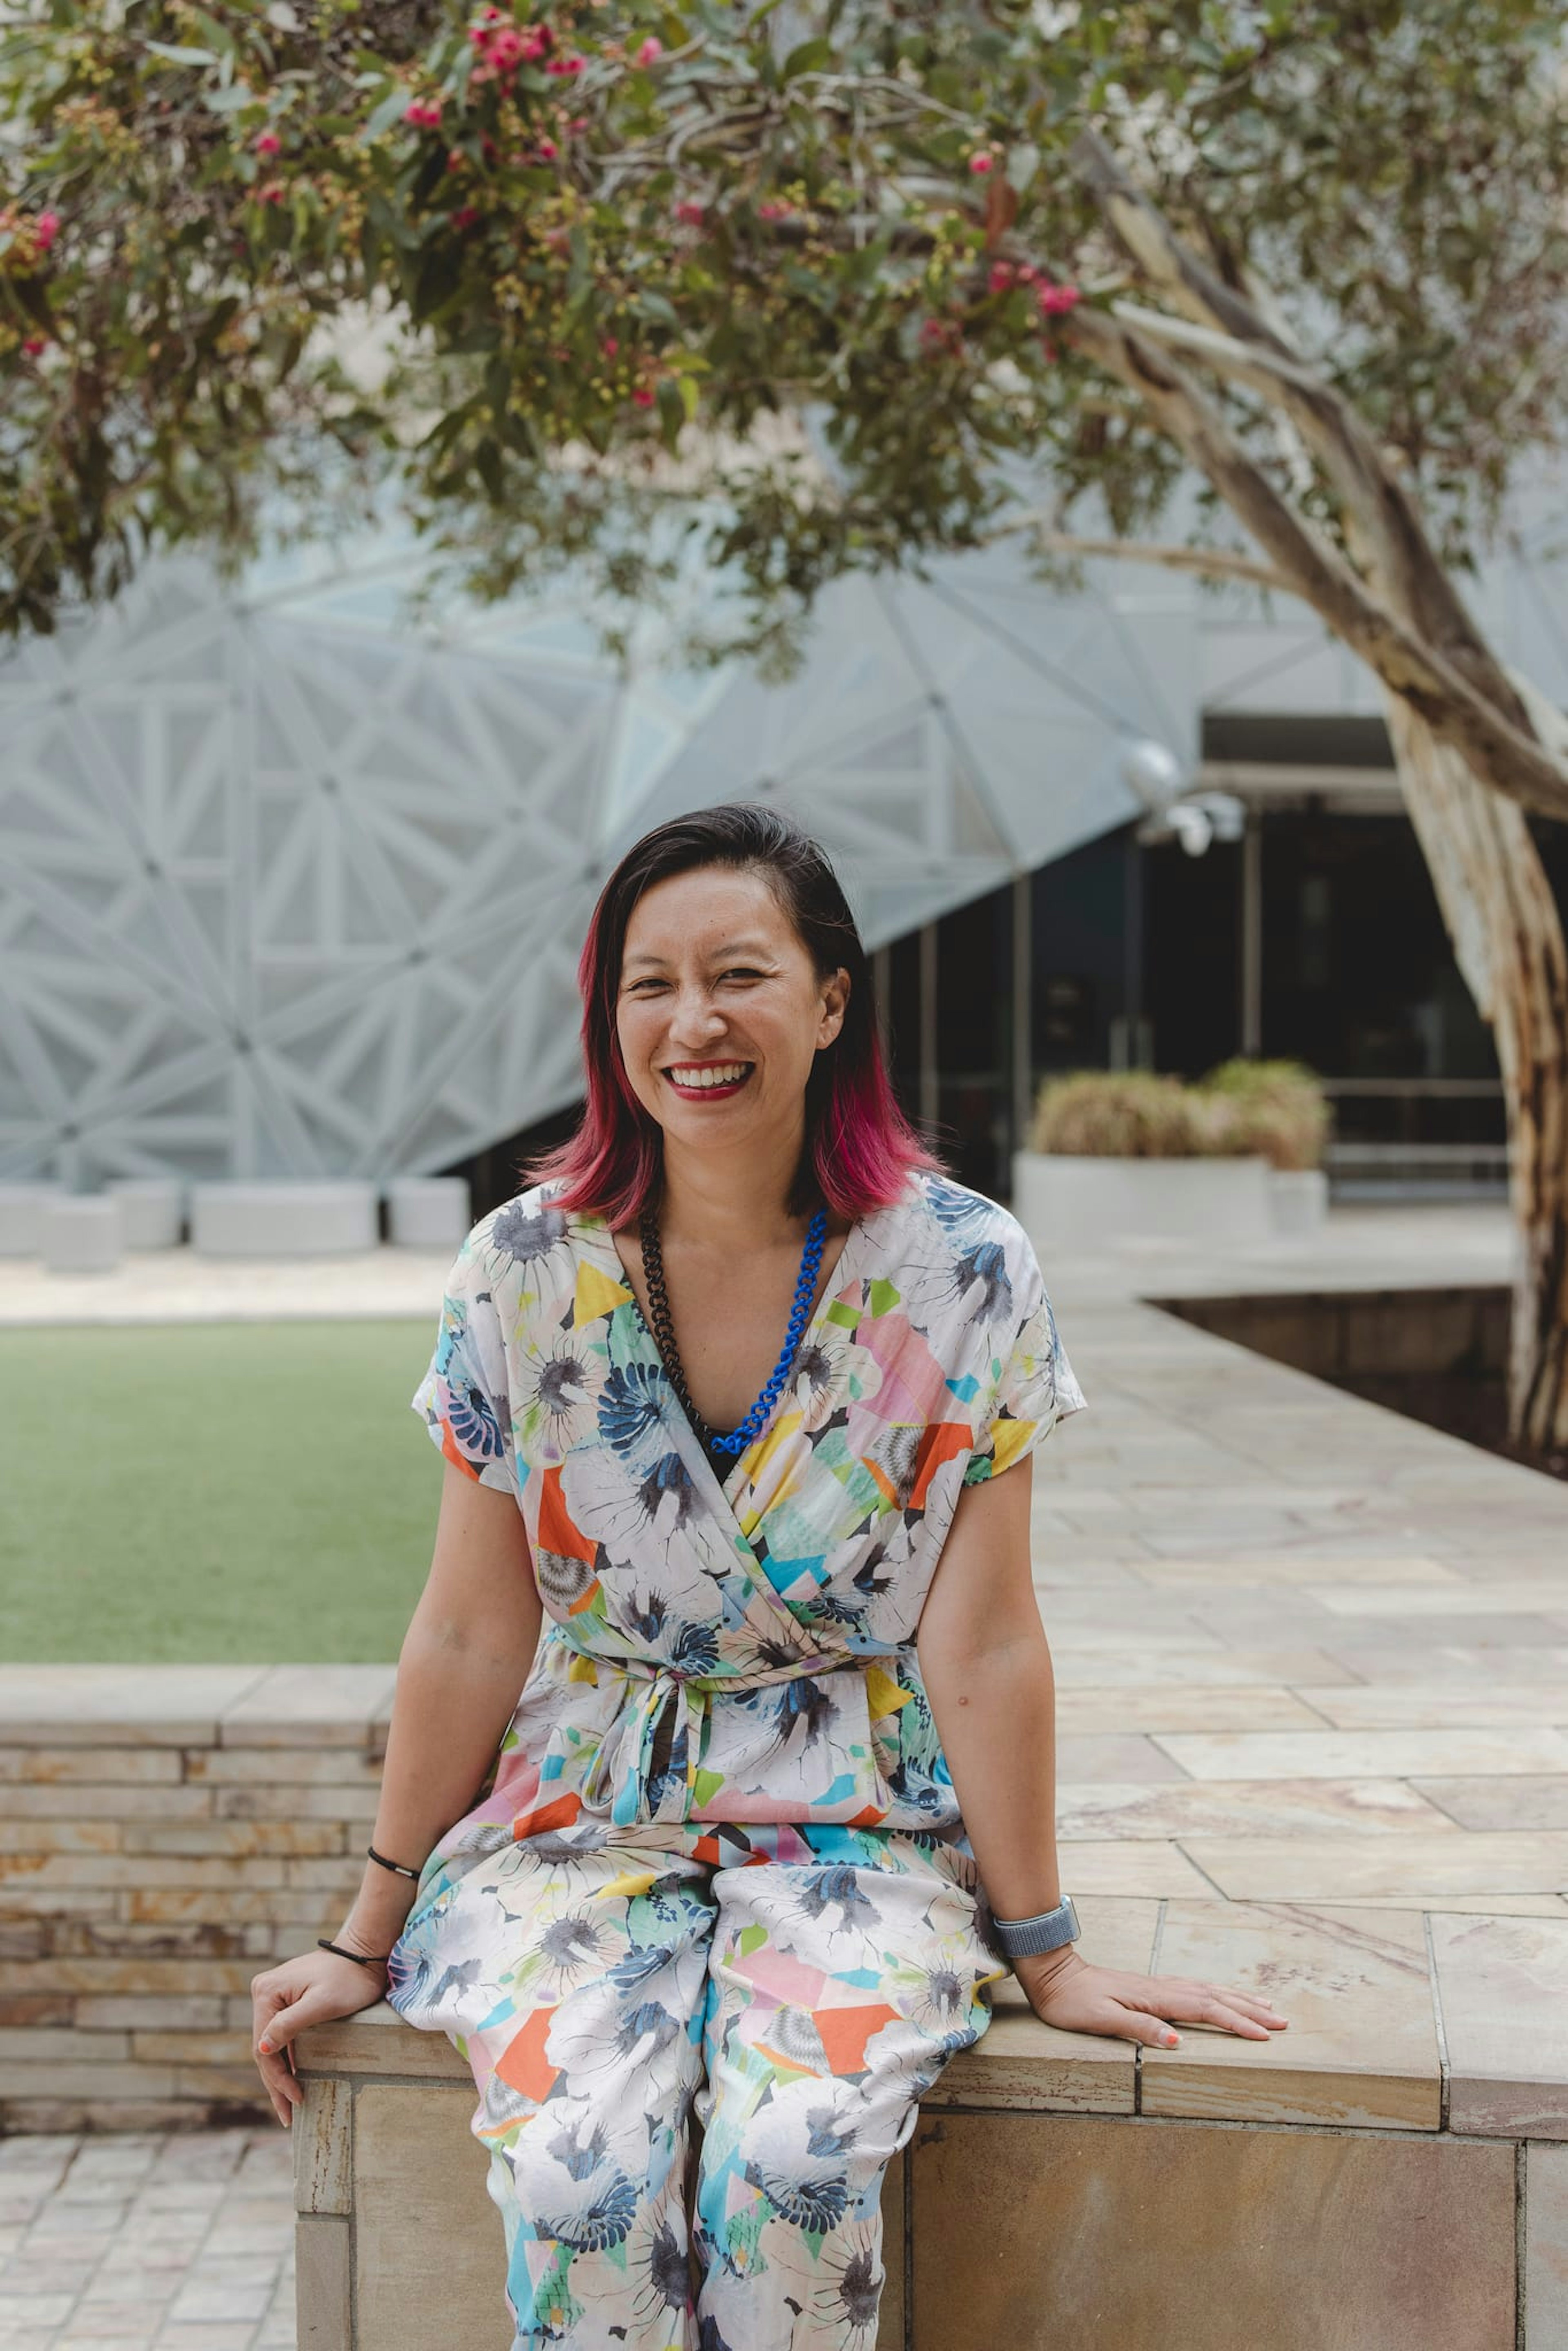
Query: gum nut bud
point(981, 164)
point(651, 47)
point(268, 143)
point(456, 160)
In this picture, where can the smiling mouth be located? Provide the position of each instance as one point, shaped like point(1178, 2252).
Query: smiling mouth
point(690, 1078)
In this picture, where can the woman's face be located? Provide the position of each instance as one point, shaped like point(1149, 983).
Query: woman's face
point(720, 1012)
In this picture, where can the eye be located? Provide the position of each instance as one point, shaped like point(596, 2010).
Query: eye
point(740, 971)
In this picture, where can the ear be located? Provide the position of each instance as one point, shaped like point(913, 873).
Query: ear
point(835, 1003)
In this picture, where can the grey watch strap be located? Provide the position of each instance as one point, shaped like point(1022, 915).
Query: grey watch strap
point(1021, 1938)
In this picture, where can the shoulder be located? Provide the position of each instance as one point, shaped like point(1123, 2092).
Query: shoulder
point(939, 1212)
point(526, 1245)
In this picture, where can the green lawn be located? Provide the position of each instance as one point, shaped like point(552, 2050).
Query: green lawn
point(228, 1492)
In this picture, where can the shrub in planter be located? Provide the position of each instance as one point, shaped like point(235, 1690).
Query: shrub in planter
point(1122, 1115)
point(1275, 1108)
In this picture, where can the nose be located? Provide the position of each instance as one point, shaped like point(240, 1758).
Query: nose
point(695, 1020)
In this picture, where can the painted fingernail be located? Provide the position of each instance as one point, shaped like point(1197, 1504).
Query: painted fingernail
point(1171, 2039)
point(266, 2048)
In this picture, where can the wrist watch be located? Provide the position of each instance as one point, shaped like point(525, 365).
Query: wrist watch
point(1021, 1938)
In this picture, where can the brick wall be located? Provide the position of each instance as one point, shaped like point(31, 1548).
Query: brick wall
point(164, 1831)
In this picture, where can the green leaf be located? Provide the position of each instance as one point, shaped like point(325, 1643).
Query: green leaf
point(810, 56)
point(1023, 162)
point(391, 110)
point(180, 57)
point(487, 460)
point(690, 395)
point(655, 307)
point(672, 412)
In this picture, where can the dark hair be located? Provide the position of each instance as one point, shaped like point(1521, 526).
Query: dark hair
point(860, 1148)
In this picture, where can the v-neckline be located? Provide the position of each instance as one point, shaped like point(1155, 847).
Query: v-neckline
point(596, 1232)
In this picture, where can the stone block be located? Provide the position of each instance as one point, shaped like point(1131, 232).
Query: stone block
point(112, 1766)
point(422, 2219)
point(428, 1211)
point(1545, 2246)
point(323, 2136)
point(322, 2291)
point(235, 1840)
point(1504, 1984)
point(283, 1219)
point(151, 1209)
point(1135, 2235)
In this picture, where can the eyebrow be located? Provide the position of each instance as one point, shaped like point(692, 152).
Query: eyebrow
point(741, 946)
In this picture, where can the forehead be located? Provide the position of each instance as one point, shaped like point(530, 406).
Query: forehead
point(712, 907)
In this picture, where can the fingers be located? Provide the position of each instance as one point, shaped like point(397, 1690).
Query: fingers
point(1222, 2006)
point(275, 2021)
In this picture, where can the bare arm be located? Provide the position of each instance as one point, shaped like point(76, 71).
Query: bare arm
point(465, 1656)
point(986, 1664)
point(465, 1659)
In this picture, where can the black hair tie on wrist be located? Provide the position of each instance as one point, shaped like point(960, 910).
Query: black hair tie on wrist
point(365, 1958)
point(396, 1866)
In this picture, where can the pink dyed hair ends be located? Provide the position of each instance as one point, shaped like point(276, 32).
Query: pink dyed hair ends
point(860, 1147)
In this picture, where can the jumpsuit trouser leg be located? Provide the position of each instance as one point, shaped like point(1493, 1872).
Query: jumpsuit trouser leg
point(803, 2009)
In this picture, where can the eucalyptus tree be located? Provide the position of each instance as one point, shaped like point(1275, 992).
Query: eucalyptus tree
point(559, 277)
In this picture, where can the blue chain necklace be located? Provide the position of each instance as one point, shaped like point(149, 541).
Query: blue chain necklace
point(756, 1419)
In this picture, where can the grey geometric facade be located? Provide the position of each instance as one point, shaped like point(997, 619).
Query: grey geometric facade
point(290, 888)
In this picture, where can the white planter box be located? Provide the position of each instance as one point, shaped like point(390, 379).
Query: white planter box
point(1297, 1201)
point(428, 1211)
point(79, 1234)
point(21, 1209)
point(1085, 1203)
point(151, 1209)
point(283, 1219)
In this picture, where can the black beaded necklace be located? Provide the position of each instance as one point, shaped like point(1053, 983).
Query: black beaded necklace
point(736, 1440)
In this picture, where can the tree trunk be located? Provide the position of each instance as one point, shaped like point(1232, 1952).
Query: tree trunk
point(1507, 934)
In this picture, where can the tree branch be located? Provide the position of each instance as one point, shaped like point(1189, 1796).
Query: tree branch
point(1506, 757)
point(1381, 520)
point(1206, 562)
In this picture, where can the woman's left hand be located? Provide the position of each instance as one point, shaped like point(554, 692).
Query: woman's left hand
point(1068, 1991)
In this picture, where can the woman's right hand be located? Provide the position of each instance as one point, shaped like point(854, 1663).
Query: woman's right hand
point(309, 1990)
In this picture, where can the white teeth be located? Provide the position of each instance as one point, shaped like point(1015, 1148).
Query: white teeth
point(726, 1073)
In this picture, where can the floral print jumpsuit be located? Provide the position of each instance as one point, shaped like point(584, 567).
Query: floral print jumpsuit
point(717, 1865)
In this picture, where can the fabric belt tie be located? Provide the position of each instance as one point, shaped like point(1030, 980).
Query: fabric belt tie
point(619, 1773)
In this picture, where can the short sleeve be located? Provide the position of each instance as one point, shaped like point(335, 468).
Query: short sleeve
point(464, 1397)
point(1034, 1386)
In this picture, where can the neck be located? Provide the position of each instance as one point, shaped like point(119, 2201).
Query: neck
point(730, 1201)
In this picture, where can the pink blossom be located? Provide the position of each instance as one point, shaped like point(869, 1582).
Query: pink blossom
point(980, 165)
point(1027, 273)
point(456, 160)
point(1003, 277)
point(940, 335)
point(775, 211)
point(46, 228)
point(692, 213)
point(567, 66)
point(643, 396)
point(1055, 301)
point(609, 346)
point(651, 47)
point(464, 216)
point(506, 47)
point(537, 42)
point(33, 345)
point(578, 122)
point(272, 193)
point(548, 149)
point(268, 142)
point(424, 115)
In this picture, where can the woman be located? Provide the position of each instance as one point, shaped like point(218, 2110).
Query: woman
point(780, 1786)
